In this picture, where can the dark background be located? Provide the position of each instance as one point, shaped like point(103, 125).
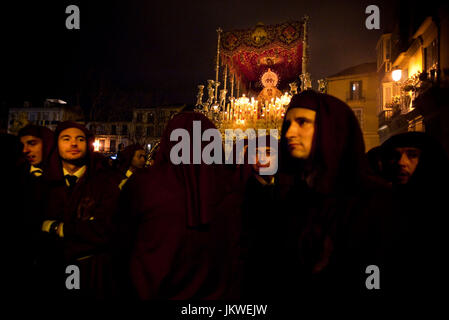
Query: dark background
point(158, 52)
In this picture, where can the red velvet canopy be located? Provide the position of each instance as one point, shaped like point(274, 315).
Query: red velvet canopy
point(249, 53)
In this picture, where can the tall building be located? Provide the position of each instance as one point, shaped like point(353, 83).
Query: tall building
point(145, 128)
point(357, 86)
point(413, 68)
point(49, 115)
point(110, 137)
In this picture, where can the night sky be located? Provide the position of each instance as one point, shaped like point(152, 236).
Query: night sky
point(161, 49)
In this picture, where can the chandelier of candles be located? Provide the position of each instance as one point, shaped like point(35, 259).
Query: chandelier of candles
point(243, 112)
point(245, 109)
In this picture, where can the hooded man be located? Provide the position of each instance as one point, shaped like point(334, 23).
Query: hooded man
point(414, 159)
point(80, 210)
point(257, 211)
point(327, 197)
point(185, 228)
point(39, 163)
point(418, 168)
point(38, 145)
point(40, 159)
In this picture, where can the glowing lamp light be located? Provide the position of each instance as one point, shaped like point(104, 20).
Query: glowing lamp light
point(96, 145)
point(396, 75)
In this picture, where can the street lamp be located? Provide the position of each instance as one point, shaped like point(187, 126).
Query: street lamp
point(396, 75)
point(96, 145)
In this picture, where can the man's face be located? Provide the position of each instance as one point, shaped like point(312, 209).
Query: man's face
point(138, 160)
point(72, 144)
point(32, 149)
point(263, 159)
point(300, 130)
point(404, 161)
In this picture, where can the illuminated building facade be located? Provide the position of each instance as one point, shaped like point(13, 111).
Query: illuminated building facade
point(357, 86)
point(145, 128)
point(49, 115)
point(413, 68)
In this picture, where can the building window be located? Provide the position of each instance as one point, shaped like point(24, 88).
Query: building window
point(113, 129)
point(150, 131)
point(161, 116)
point(139, 117)
point(101, 149)
point(380, 53)
point(124, 129)
point(150, 117)
point(32, 116)
point(387, 49)
point(359, 115)
point(138, 130)
point(112, 146)
point(390, 93)
point(355, 90)
point(384, 51)
point(430, 56)
point(387, 96)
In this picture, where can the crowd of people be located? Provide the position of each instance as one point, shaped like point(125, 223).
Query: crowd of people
point(225, 231)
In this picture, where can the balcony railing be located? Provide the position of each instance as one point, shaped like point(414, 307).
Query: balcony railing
point(385, 117)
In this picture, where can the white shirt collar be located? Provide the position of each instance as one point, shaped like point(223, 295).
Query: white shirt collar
point(122, 183)
point(79, 173)
point(36, 171)
point(128, 173)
